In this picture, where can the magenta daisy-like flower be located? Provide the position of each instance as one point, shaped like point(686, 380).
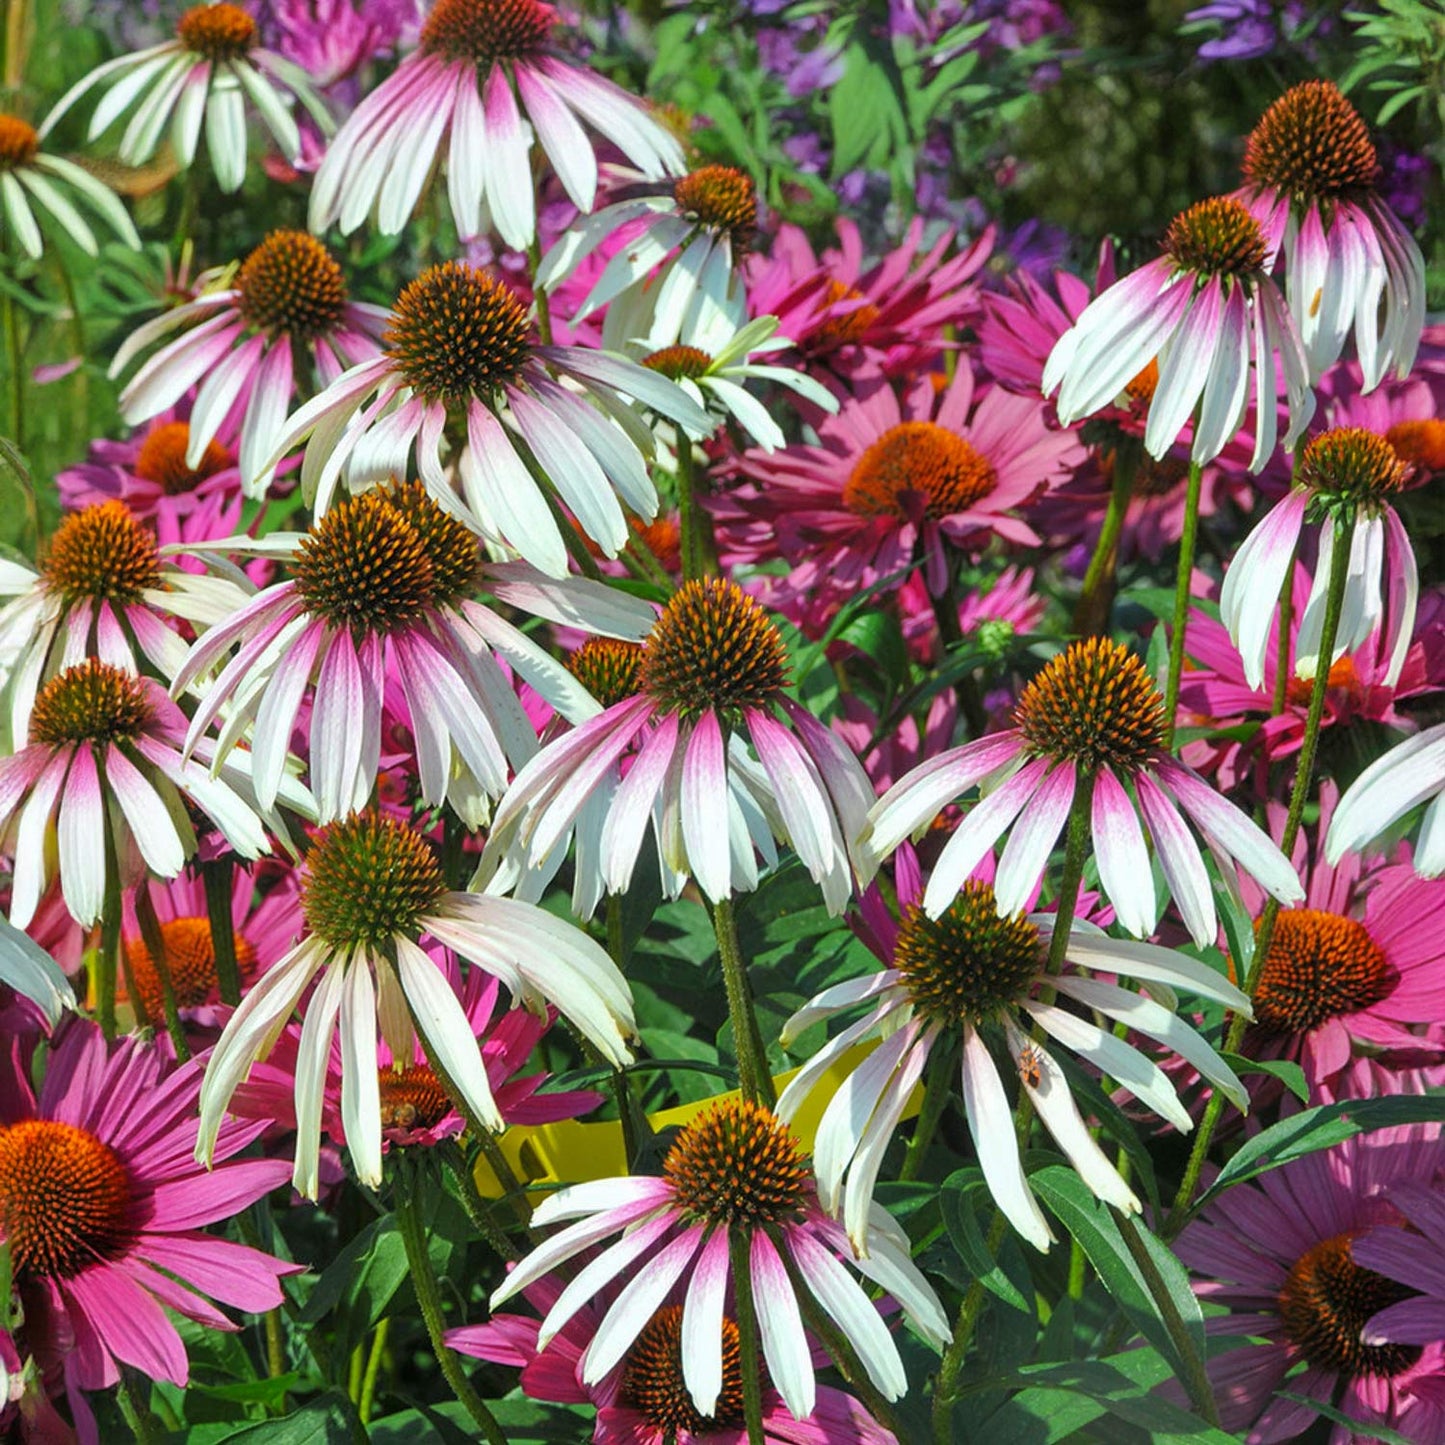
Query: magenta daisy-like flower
point(279, 325)
point(645, 1399)
point(101, 591)
point(460, 342)
point(372, 888)
point(460, 89)
point(895, 482)
point(1311, 174)
point(29, 177)
point(104, 1211)
point(382, 587)
point(1344, 472)
point(711, 672)
point(263, 927)
point(104, 767)
point(977, 982)
point(1357, 969)
point(1281, 1255)
point(1411, 1257)
point(1208, 313)
point(1092, 717)
point(735, 1193)
point(203, 77)
point(415, 1106)
point(847, 317)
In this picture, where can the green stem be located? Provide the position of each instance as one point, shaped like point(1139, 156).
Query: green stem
point(512, 1188)
point(539, 296)
point(687, 511)
point(478, 1210)
point(1182, 596)
point(155, 944)
point(428, 1295)
point(635, 1127)
point(747, 1337)
point(1096, 597)
point(136, 1411)
point(753, 1073)
point(1284, 660)
point(110, 926)
point(937, 1089)
point(218, 874)
point(945, 1387)
point(15, 360)
point(373, 1368)
point(276, 1350)
point(1196, 1377)
point(1304, 774)
point(1076, 853)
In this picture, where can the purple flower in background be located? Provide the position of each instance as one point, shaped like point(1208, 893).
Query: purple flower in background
point(1404, 181)
point(333, 39)
point(1252, 28)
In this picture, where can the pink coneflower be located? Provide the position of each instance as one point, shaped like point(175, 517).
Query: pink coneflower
point(1092, 716)
point(104, 766)
point(204, 76)
point(1208, 313)
point(734, 1179)
point(383, 588)
point(103, 1211)
point(102, 590)
point(282, 326)
point(1411, 1257)
point(1310, 176)
point(645, 1399)
point(416, 1109)
point(150, 475)
point(459, 84)
point(970, 979)
point(1344, 472)
point(711, 672)
point(847, 317)
point(372, 888)
point(459, 341)
point(1280, 1255)
point(1357, 969)
point(1411, 773)
point(896, 482)
point(1214, 688)
point(677, 267)
point(28, 176)
point(263, 925)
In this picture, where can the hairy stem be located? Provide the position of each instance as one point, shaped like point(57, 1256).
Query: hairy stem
point(428, 1295)
point(1096, 597)
point(942, 1070)
point(753, 1072)
point(1182, 594)
point(219, 875)
point(747, 1337)
point(110, 925)
point(155, 945)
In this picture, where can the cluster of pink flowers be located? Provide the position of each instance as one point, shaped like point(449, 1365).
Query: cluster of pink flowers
point(387, 626)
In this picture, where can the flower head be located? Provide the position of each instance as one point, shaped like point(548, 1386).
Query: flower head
point(103, 1209)
point(458, 340)
point(734, 1179)
point(104, 756)
point(1310, 174)
point(32, 177)
point(280, 325)
point(383, 588)
point(372, 888)
point(711, 673)
point(460, 90)
point(204, 76)
point(1091, 717)
point(1212, 319)
point(976, 980)
point(1346, 475)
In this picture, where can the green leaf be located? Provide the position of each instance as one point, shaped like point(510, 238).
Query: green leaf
point(327, 1420)
point(1360, 1429)
point(1093, 1226)
point(1285, 1070)
point(866, 110)
point(1321, 1128)
point(358, 1285)
point(960, 1219)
